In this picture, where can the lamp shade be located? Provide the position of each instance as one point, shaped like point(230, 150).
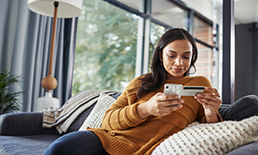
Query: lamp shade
point(66, 8)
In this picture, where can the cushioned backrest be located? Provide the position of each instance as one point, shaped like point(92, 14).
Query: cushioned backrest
point(77, 123)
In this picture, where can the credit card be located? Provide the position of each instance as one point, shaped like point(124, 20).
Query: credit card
point(192, 90)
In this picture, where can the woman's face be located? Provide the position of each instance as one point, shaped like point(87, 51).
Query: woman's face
point(176, 58)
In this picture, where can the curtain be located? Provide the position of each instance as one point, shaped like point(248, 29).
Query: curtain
point(25, 40)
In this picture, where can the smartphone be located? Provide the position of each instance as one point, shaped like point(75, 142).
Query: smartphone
point(173, 89)
point(192, 90)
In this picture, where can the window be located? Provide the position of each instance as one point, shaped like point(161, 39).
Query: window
point(205, 64)
point(107, 40)
point(169, 13)
point(105, 47)
point(155, 34)
point(135, 4)
point(203, 31)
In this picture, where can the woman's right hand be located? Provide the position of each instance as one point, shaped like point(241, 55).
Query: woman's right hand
point(159, 105)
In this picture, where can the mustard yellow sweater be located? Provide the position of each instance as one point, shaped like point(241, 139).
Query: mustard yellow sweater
point(124, 133)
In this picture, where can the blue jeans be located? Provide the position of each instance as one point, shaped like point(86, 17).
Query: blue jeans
point(76, 143)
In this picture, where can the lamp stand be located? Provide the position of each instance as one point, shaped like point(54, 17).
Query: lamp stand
point(46, 102)
point(49, 82)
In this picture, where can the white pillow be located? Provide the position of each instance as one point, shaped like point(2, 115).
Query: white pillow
point(95, 117)
point(216, 138)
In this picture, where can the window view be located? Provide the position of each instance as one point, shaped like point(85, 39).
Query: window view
point(106, 47)
point(132, 3)
point(106, 44)
point(203, 31)
point(156, 32)
point(169, 13)
point(205, 63)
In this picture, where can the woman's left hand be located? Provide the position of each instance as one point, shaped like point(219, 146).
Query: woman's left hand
point(211, 103)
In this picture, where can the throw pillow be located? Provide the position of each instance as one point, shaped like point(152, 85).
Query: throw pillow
point(216, 138)
point(95, 117)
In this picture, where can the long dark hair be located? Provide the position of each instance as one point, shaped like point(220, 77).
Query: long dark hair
point(152, 81)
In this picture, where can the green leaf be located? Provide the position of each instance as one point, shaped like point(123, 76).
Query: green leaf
point(8, 99)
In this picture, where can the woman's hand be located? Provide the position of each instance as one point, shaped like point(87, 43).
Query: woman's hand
point(211, 103)
point(159, 105)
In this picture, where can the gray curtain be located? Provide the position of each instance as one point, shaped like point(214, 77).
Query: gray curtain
point(25, 39)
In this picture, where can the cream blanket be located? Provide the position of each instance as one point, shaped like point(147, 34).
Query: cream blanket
point(210, 139)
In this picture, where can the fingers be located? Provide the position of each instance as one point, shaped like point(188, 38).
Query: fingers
point(166, 110)
point(164, 97)
point(173, 104)
point(211, 101)
point(212, 91)
point(170, 101)
point(208, 99)
point(165, 104)
point(212, 97)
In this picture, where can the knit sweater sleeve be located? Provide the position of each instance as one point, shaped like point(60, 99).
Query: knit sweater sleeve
point(123, 113)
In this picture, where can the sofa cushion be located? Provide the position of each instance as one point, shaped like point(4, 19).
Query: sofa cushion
point(26, 145)
point(95, 118)
point(244, 107)
point(77, 123)
point(215, 138)
point(249, 149)
point(23, 123)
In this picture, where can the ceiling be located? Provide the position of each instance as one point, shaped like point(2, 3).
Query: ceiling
point(245, 10)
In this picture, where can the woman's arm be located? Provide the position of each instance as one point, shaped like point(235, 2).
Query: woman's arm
point(211, 102)
point(159, 105)
point(122, 114)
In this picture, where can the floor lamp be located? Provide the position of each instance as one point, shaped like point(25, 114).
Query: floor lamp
point(55, 9)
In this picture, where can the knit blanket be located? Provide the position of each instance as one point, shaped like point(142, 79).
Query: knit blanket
point(216, 138)
point(62, 118)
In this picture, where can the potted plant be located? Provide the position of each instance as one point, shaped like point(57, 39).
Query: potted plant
point(8, 100)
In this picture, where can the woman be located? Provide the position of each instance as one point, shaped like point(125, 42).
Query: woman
point(141, 118)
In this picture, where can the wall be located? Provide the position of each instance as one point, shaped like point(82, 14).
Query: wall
point(255, 58)
point(246, 78)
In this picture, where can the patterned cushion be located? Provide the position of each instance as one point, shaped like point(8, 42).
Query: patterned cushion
point(216, 138)
point(95, 118)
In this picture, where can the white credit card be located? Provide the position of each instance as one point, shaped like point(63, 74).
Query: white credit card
point(192, 90)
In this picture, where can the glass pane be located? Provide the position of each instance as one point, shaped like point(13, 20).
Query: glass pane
point(203, 31)
point(105, 47)
point(132, 3)
point(156, 32)
point(168, 13)
point(205, 64)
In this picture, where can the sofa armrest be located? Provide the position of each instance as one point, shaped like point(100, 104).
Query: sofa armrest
point(25, 123)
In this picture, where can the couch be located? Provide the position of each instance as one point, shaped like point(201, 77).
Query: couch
point(23, 134)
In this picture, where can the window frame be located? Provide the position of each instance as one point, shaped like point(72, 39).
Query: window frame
point(145, 14)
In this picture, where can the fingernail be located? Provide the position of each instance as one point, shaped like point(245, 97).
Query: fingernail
point(198, 95)
point(180, 106)
point(182, 101)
